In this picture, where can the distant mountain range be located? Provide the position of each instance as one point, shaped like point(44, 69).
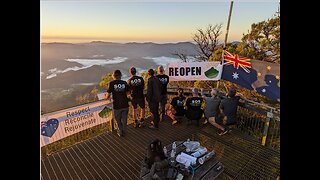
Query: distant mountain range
point(51, 51)
point(54, 58)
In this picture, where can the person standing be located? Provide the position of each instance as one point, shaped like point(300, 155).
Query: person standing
point(194, 107)
point(153, 98)
point(164, 79)
point(119, 89)
point(136, 85)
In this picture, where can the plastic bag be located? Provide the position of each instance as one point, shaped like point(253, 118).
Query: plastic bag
point(191, 146)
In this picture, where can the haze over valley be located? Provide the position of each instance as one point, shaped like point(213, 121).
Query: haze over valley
point(65, 66)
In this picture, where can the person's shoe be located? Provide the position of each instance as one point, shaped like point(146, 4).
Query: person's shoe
point(205, 122)
point(223, 132)
point(174, 122)
point(153, 127)
point(119, 133)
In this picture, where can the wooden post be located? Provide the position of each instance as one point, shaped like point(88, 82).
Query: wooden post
point(226, 37)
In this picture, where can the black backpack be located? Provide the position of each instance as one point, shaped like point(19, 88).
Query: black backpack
point(154, 152)
point(155, 165)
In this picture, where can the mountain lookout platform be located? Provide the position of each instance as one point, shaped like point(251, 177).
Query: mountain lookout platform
point(107, 156)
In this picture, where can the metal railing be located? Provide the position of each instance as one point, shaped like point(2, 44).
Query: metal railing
point(252, 120)
point(262, 128)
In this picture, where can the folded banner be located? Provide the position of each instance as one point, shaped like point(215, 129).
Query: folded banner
point(260, 76)
point(191, 71)
point(60, 124)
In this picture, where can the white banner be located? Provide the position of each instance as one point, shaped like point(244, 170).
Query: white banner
point(194, 71)
point(60, 124)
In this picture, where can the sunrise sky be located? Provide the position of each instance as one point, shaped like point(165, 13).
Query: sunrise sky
point(133, 21)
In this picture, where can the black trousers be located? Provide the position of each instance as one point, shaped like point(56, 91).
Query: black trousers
point(154, 109)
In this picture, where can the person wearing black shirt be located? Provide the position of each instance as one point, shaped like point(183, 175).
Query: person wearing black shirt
point(228, 108)
point(194, 107)
point(119, 89)
point(177, 103)
point(153, 98)
point(164, 79)
point(136, 85)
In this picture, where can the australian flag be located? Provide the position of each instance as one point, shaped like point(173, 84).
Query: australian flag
point(260, 76)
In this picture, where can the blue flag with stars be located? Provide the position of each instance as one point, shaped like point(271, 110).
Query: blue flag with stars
point(260, 76)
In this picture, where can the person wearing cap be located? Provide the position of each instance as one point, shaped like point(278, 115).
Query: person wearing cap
point(211, 110)
point(177, 107)
point(228, 108)
point(194, 107)
point(153, 98)
point(119, 89)
point(164, 79)
point(136, 85)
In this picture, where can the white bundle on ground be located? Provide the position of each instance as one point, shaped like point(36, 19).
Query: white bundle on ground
point(201, 151)
point(186, 159)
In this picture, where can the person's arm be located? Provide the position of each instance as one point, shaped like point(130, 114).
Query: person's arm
point(240, 103)
point(128, 90)
point(221, 108)
point(128, 86)
point(108, 96)
point(218, 109)
point(185, 104)
point(225, 118)
point(109, 91)
point(203, 104)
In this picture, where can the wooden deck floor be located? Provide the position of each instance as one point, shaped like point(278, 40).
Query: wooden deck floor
point(108, 156)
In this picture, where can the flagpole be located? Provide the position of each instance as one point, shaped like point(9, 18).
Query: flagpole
point(226, 37)
point(230, 12)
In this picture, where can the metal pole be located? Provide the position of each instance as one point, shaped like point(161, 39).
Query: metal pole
point(230, 11)
point(266, 127)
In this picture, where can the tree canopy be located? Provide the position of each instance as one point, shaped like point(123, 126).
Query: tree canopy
point(262, 42)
